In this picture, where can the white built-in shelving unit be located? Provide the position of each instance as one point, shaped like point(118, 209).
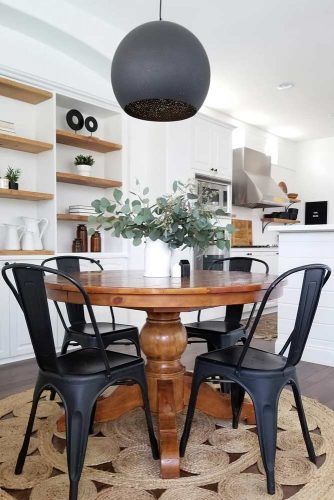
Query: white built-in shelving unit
point(44, 148)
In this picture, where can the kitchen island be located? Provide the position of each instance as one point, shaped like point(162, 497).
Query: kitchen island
point(300, 245)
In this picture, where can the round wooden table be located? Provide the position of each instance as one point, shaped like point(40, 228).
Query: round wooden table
point(163, 340)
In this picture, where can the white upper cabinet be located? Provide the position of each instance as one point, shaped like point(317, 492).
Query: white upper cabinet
point(212, 147)
point(199, 145)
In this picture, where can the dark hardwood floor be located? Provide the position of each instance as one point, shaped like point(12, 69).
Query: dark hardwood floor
point(316, 381)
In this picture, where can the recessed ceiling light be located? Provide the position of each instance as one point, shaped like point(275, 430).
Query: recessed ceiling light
point(285, 86)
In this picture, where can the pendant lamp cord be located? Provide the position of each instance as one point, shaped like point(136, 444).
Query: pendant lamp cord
point(160, 19)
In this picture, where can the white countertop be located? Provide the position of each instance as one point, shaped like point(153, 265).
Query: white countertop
point(302, 228)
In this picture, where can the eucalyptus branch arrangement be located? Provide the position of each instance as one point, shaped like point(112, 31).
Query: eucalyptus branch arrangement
point(179, 219)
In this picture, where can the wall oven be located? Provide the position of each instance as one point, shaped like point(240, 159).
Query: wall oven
point(215, 193)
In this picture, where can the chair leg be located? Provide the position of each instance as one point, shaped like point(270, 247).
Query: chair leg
point(140, 378)
point(303, 422)
point(237, 398)
point(23, 452)
point(265, 399)
point(64, 347)
point(78, 418)
point(198, 377)
point(92, 418)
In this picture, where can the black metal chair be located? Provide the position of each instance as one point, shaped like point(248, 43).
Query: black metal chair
point(262, 374)
point(79, 331)
point(79, 377)
point(221, 334)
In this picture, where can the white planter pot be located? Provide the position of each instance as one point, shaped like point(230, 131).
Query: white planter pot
point(157, 259)
point(84, 170)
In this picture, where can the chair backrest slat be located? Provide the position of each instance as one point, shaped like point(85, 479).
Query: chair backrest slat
point(70, 265)
point(314, 278)
point(241, 264)
point(34, 303)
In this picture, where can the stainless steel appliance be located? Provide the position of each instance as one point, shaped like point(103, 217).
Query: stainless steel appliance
point(215, 192)
point(253, 186)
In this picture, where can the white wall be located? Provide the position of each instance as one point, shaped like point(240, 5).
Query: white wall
point(315, 173)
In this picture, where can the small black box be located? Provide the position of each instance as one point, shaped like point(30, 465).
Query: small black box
point(316, 212)
point(185, 268)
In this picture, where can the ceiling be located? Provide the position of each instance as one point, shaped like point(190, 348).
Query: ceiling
point(252, 46)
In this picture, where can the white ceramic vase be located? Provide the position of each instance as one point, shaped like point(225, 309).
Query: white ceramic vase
point(157, 259)
point(84, 170)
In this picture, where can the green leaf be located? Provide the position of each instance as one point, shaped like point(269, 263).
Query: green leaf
point(91, 231)
point(220, 212)
point(136, 242)
point(96, 204)
point(117, 195)
point(162, 201)
point(192, 196)
point(135, 202)
point(146, 201)
point(145, 191)
point(230, 228)
point(221, 244)
point(137, 182)
point(111, 208)
point(104, 203)
point(155, 234)
point(91, 219)
point(175, 186)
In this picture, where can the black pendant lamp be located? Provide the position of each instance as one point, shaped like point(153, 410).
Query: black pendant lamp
point(160, 72)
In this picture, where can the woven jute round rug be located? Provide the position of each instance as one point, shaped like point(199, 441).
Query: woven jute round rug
point(220, 462)
point(57, 488)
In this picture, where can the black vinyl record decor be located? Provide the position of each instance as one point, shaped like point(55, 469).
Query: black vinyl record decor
point(160, 72)
point(91, 124)
point(74, 119)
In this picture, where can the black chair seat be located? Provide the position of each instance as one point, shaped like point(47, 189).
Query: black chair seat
point(104, 328)
point(89, 361)
point(219, 327)
point(255, 359)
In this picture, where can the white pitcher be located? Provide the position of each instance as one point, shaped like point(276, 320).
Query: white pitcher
point(27, 240)
point(37, 227)
point(13, 236)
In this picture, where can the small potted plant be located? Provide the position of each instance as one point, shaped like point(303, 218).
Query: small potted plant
point(13, 175)
point(84, 164)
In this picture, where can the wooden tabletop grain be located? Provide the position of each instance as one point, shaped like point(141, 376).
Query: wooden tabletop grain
point(131, 289)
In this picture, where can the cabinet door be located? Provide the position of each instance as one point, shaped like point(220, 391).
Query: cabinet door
point(202, 146)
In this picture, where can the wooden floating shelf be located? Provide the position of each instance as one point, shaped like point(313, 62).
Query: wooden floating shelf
point(277, 220)
point(73, 217)
point(86, 181)
point(281, 221)
point(26, 252)
point(22, 92)
point(86, 142)
point(22, 144)
point(18, 194)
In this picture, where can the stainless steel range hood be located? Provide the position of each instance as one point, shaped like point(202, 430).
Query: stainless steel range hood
point(253, 186)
